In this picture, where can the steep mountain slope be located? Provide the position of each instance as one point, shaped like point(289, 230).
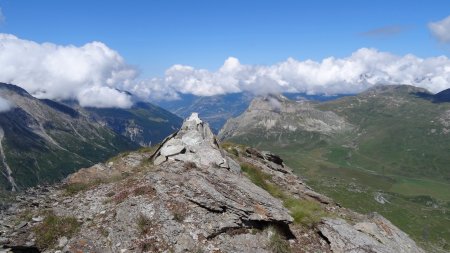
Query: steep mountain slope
point(143, 123)
point(442, 97)
point(393, 159)
point(189, 195)
point(405, 134)
point(42, 143)
point(281, 122)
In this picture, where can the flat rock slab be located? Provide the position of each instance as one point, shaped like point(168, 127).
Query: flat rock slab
point(170, 150)
point(376, 235)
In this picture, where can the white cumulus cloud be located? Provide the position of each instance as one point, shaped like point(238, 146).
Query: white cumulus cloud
point(96, 75)
point(441, 29)
point(90, 74)
point(5, 105)
point(362, 69)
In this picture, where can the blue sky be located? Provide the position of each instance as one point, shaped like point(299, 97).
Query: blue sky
point(154, 35)
point(160, 49)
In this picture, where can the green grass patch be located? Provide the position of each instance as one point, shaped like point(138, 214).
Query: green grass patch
point(232, 148)
point(117, 157)
point(54, 227)
point(305, 212)
point(278, 244)
point(72, 189)
point(149, 150)
point(415, 187)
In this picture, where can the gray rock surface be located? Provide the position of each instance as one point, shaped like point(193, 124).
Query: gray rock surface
point(375, 234)
point(277, 114)
point(194, 142)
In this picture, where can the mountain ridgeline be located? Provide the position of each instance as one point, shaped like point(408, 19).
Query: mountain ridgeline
point(143, 123)
point(386, 149)
point(216, 110)
point(42, 141)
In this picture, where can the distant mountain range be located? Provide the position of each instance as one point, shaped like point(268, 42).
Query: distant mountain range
point(143, 123)
point(43, 140)
point(216, 110)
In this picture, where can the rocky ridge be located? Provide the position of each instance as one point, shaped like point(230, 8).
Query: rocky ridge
point(275, 115)
point(191, 195)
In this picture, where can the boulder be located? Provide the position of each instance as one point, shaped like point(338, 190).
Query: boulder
point(375, 234)
point(194, 142)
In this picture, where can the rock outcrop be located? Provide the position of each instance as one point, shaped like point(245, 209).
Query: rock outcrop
point(190, 195)
point(375, 234)
point(193, 142)
point(279, 115)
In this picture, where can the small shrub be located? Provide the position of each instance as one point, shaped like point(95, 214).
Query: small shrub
point(232, 148)
point(110, 194)
point(234, 151)
point(178, 216)
point(144, 224)
point(153, 245)
point(149, 150)
point(189, 165)
point(146, 246)
point(278, 244)
point(121, 196)
point(74, 188)
point(54, 227)
point(256, 175)
point(144, 190)
point(117, 157)
point(26, 215)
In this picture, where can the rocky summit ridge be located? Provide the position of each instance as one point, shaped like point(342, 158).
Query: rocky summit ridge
point(276, 116)
point(190, 194)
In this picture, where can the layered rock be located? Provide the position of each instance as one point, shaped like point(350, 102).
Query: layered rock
point(196, 143)
point(277, 115)
point(374, 234)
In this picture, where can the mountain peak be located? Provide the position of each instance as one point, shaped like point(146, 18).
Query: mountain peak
point(194, 117)
point(14, 88)
point(399, 88)
point(442, 96)
point(195, 143)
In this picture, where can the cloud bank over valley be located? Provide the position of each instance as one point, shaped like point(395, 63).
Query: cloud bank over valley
point(96, 75)
point(5, 105)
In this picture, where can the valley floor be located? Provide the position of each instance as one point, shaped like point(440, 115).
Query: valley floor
point(420, 207)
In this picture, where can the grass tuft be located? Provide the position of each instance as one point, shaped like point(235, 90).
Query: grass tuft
point(232, 148)
point(144, 224)
point(278, 244)
point(74, 188)
point(54, 227)
point(305, 212)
